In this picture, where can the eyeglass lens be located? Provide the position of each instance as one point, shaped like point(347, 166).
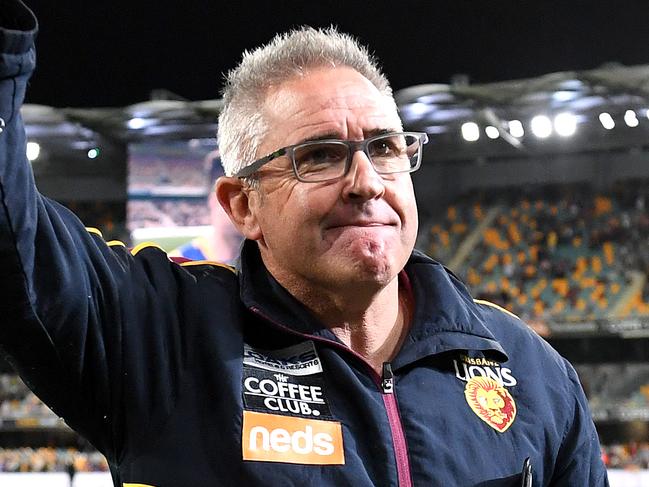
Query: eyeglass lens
point(392, 153)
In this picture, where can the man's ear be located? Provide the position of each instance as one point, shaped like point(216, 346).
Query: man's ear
point(236, 201)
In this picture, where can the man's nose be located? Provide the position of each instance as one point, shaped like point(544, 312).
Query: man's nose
point(362, 182)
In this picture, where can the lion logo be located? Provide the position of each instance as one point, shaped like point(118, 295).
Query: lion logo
point(491, 402)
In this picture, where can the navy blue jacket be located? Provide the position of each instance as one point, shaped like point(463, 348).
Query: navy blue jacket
point(200, 375)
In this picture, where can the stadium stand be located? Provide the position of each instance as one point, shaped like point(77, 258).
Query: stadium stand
point(174, 167)
point(616, 389)
point(562, 252)
point(168, 212)
point(50, 459)
point(19, 407)
point(629, 456)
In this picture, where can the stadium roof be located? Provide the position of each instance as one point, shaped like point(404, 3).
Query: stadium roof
point(608, 107)
point(619, 92)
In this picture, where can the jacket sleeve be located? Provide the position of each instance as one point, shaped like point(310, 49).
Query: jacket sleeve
point(579, 460)
point(92, 329)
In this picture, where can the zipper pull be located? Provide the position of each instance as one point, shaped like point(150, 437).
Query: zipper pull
point(387, 378)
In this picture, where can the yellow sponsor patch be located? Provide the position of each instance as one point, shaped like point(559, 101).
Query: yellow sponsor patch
point(491, 402)
point(287, 439)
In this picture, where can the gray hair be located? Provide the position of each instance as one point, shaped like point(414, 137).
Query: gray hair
point(288, 55)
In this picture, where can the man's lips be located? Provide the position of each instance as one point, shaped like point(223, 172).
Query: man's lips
point(369, 218)
point(361, 224)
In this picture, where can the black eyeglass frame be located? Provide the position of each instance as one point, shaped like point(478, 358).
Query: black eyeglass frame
point(352, 145)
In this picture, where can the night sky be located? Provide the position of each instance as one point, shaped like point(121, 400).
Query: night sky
point(114, 52)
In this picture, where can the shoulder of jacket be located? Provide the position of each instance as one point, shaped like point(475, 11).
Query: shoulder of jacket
point(211, 263)
point(143, 248)
point(482, 302)
point(521, 341)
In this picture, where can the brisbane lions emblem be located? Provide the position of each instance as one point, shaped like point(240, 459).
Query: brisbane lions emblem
point(491, 402)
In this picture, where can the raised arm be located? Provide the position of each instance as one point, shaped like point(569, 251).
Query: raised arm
point(92, 329)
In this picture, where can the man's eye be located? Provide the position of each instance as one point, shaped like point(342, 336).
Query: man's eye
point(381, 148)
point(386, 148)
point(320, 154)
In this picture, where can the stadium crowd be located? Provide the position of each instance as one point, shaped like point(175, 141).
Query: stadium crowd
point(48, 459)
point(173, 212)
point(564, 253)
point(148, 172)
point(19, 405)
point(629, 456)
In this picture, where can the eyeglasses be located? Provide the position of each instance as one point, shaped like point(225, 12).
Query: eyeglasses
point(326, 160)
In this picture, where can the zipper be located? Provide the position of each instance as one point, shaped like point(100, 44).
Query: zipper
point(385, 383)
point(387, 379)
point(396, 427)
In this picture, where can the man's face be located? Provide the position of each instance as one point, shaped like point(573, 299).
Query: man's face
point(356, 230)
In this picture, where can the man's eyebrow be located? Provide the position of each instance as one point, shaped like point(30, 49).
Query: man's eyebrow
point(325, 136)
point(374, 132)
point(336, 135)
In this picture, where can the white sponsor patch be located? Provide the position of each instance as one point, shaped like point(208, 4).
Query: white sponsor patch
point(284, 394)
point(300, 359)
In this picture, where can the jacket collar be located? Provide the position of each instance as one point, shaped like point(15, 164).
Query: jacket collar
point(445, 319)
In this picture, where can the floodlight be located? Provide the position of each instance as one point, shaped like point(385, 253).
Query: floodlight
point(516, 128)
point(631, 119)
point(492, 132)
point(470, 131)
point(541, 126)
point(136, 123)
point(607, 121)
point(565, 124)
point(93, 153)
point(33, 150)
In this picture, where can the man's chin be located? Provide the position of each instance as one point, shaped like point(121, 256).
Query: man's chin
point(365, 260)
point(366, 269)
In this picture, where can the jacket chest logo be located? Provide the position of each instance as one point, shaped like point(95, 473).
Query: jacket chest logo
point(467, 368)
point(485, 390)
point(287, 416)
point(491, 402)
point(286, 439)
point(287, 382)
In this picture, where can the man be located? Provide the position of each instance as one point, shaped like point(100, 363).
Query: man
point(335, 355)
point(222, 243)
